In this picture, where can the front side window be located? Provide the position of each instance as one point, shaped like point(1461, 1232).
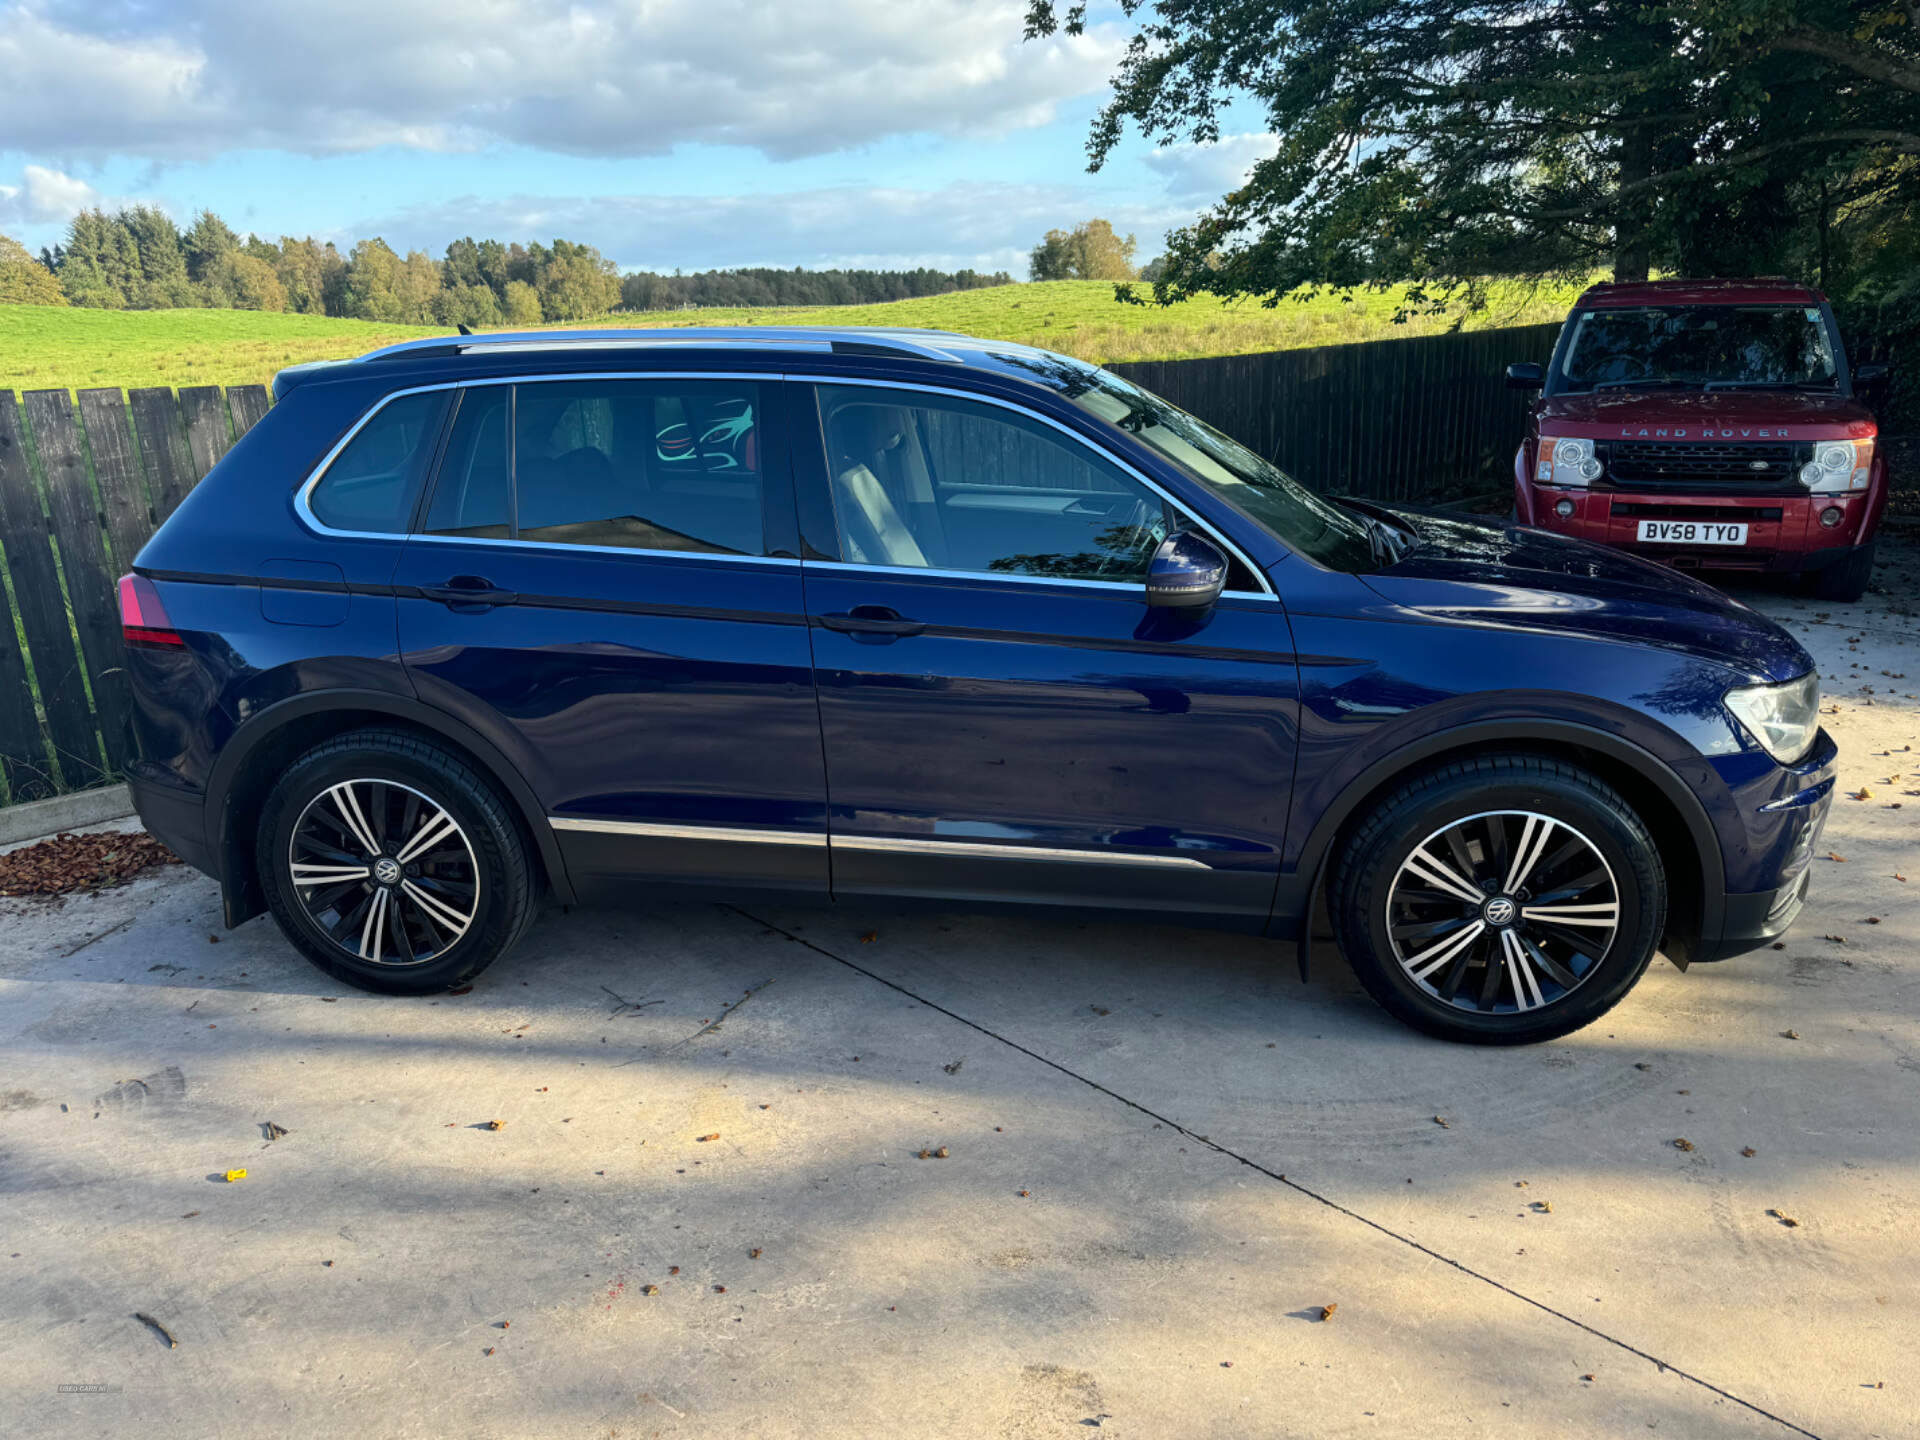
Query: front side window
point(1733, 347)
point(931, 482)
point(371, 484)
point(628, 464)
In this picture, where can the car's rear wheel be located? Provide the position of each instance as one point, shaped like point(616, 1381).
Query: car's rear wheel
point(392, 865)
point(1846, 581)
point(1501, 900)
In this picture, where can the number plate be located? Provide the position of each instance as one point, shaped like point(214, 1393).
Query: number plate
point(1691, 532)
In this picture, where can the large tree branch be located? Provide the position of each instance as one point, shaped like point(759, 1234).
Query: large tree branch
point(1863, 60)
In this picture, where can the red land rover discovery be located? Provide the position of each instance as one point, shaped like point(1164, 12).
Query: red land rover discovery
point(1708, 424)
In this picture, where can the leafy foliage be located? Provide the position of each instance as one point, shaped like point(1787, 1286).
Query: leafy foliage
point(646, 290)
point(1090, 251)
point(1431, 141)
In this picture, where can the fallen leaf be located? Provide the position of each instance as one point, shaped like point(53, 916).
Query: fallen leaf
point(1863, 793)
point(869, 937)
point(69, 863)
point(753, 1254)
point(496, 1124)
point(705, 1139)
point(1683, 1144)
point(1326, 1311)
point(649, 1289)
point(233, 1176)
point(461, 990)
point(1441, 1123)
point(1749, 1152)
point(1837, 859)
point(719, 1289)
point(1785, 1219)
point(1789, 1034)
point(1586, 1377)
point(941, 1153)
point(1099, 1009)
point(1545, 1207)
point(1025, 1193)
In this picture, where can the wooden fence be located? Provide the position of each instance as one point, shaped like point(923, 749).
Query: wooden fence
point(1422, 419)
point(82, 486)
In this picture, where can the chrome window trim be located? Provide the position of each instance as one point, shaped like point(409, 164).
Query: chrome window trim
point(302, 501)
point(651, 830)
point(1266, 591)
point(303, 507)
point(976, 849)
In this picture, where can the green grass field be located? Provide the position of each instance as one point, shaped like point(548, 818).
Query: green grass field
point(43, 347)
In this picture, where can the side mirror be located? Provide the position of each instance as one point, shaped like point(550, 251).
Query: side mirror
point(1187, 572)
point(1525, 376)
point(1871, 375)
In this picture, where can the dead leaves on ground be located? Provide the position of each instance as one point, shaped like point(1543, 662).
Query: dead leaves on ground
point(68, 864)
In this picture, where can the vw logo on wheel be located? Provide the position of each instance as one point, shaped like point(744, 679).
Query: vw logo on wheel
point(1501, 911)
point(387, 871)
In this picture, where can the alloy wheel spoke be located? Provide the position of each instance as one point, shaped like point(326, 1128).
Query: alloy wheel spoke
point(448, 917)
point(348, 805)
point(328, 874)
point(1434, 956)
point(1600, 916)
point(1436, 872)
point(437, 829)
point(1533, 839)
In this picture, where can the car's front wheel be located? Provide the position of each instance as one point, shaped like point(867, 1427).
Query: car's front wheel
point(1500, 900)
point(392, 865)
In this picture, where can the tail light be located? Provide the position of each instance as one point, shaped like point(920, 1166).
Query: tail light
point(143, 619)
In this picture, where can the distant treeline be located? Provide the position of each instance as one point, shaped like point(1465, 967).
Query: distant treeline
point(138, 259)
point(644, 290)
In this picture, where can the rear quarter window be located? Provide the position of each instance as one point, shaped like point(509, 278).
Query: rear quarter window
point(371, 484)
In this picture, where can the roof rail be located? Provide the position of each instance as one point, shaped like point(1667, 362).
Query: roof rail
point(814, 339)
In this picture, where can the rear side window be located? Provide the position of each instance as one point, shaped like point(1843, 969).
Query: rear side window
point(371, 484)
point(627, 464)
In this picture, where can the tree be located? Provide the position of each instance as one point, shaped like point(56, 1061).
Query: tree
point(522, 306)
point(1087, 252)
point(472, 305)
point(417, 287)
point(162, 281)
point(1437, 140)
point(23, 279)
point(239, 281)
point(574, 282)
point(86, 260)
point(371, 288)
point(206, 241)
point(309, 273)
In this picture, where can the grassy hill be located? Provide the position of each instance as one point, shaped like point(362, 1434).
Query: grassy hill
point(47, 348)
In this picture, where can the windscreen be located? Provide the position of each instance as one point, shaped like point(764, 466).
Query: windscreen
point(1745, 347)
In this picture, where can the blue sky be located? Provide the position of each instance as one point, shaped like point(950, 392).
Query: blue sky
point(670, 133)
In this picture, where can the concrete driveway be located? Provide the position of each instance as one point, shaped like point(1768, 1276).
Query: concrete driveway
point(1156, 1158)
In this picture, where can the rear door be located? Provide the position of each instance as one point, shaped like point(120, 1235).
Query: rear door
point(1004, 717)
point(604, 583)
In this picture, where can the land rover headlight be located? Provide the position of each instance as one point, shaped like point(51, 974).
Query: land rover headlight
point(1838, 465)
point(1567, 462)
point(1783, 718)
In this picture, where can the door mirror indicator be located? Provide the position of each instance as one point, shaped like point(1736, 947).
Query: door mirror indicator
point(1187, 572)
point(1525, 375)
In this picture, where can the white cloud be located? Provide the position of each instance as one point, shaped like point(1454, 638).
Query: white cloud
point(1210, 171)
point(44, 197)
point(981, 225)
point(597, 77)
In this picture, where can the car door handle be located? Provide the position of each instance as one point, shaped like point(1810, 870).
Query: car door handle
point(469, 590)
point(871, 620)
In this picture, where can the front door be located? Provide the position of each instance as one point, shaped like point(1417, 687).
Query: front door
point(1004, 717)
point(603, 583)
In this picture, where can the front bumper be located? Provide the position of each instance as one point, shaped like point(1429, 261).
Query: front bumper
point(1783, 828)
point(1784, 533)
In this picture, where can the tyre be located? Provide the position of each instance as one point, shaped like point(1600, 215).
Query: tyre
point(1847, 581)
point(1502, 900)
point(392, 865)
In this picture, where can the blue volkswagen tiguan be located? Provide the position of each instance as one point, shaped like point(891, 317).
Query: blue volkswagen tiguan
point(473, 620)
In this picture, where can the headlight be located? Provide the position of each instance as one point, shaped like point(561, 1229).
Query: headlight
point(1783, 718)
point(1566, 462)
point(1838, 465)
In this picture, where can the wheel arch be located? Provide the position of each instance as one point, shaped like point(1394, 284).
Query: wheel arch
point(241, 777)
point(1689, 847)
